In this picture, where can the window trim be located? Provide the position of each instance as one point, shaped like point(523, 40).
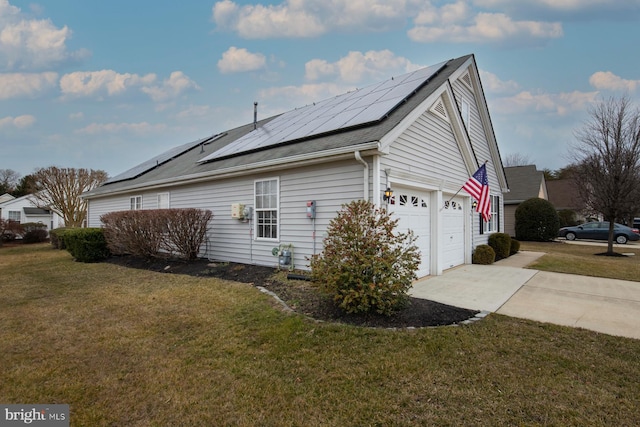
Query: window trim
point(465, 112)
point(256, 224)
point(493, 225)
point(168, 200)
point(133, 203)
point(19, 215)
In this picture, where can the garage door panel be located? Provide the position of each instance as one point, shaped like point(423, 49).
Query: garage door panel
point(453, 233)
point(412, 211)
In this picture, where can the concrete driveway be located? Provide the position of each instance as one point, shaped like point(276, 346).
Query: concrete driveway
point(505, 287)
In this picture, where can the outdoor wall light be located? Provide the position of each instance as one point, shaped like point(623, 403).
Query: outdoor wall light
point(387, 194)
point(474, 204)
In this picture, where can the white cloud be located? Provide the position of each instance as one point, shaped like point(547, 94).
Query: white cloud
point(110, 83)
point(606, 80)
point(103, 82)
point(492, 83)
point(446, 15)
point(560, 5)
point(15, 85)
point(296, 95)
point(236, 60)
point(76, 116)
point(142, 128)
point(357, 66)
point(460, 21)
point(486, 28)
point(32, 43)
point(20, 122)
point(555, 103)
point(309, 18)
point(174, 86)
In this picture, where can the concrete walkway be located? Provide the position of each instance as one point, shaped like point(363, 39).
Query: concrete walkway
point(505, 287)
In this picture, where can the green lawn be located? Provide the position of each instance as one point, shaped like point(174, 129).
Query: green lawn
point(581, 259)
point(126, 347)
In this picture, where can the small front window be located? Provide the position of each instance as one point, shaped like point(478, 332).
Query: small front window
point(163, 200)
point(136, 203)
point(267, 208)
point(14, 216)
point(493, 225)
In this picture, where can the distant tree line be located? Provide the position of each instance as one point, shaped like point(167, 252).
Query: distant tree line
point(12, 183)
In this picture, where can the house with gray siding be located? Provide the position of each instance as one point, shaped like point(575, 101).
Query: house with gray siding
point(277, 182)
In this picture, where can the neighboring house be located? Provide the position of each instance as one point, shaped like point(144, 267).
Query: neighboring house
point(279, 181)
point(25, 209)
point(6, 197)
point(564, 195)
point(525, 182)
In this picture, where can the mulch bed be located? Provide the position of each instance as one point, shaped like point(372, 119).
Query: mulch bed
point(304, 297)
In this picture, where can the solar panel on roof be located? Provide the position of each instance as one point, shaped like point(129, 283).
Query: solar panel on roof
point(355, 108)
point(159, 159)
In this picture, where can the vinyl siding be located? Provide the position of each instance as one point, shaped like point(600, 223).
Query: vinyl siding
point(232, 240)
point(480, 146)
point(427, 150)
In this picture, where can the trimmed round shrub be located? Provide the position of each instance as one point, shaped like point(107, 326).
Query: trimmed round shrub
point(515, 247)
point(365, 264)
point(56, 237)
point(537, 221)
point(501, 244)
point(86, 244)
point(484, 254)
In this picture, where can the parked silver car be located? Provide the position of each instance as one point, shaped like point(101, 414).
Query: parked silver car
point(600, 231)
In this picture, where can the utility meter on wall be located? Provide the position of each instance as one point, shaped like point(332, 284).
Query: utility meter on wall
point(247, 212)
point(311, 209)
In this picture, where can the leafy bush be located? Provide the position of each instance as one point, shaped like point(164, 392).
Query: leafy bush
point(9, 230)
point(536, 220)
point(86, 244)
point(501, 244)
point(365, 264)
point(484, 254)
point(157, 232)
point(56, 237)
point(37, 235)
point(515, 247)
point(34, 232)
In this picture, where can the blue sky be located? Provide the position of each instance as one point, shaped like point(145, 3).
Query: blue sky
point(108, 85)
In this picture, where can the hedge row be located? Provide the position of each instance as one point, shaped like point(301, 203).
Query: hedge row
point(84, 244)
point(156, 233)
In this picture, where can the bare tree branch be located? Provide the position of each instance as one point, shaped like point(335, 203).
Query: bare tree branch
point(8, 180)
point(61, 188)
point(516, 159)
point(608, 160)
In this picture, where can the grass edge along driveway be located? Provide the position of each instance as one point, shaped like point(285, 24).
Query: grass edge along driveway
point(131, 347)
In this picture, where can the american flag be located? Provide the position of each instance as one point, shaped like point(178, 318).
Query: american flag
point(478, 187)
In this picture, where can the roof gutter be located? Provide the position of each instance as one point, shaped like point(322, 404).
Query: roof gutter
point(265, 166)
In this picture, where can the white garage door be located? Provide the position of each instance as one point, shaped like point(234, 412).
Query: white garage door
point(412, 211)
point(453, 233)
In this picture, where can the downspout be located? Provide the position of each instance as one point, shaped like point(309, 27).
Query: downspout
point(366, 174)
